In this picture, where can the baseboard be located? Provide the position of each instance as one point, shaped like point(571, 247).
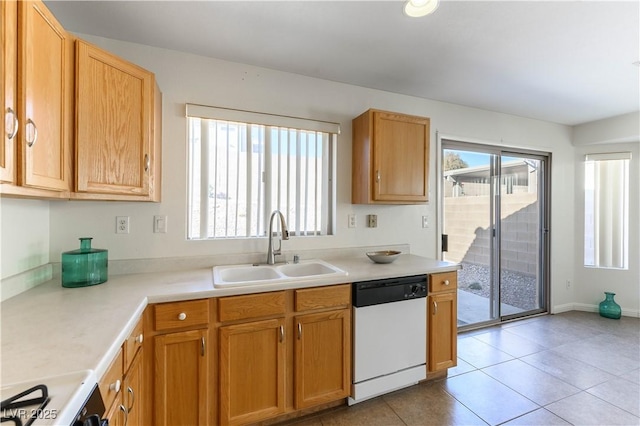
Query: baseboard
point(558, 309)
point(585, 307)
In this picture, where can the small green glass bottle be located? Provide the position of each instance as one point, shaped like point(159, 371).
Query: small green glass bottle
point(84, 267)
point(609, 308)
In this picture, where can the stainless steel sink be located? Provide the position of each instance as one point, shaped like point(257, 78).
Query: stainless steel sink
point(242, 275)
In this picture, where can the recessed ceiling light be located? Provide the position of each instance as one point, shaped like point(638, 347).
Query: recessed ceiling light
point(418, 8)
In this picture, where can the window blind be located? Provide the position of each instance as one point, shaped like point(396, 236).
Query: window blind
point(243, 165)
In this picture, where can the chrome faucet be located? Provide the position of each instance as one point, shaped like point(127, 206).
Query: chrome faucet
point(273, 252)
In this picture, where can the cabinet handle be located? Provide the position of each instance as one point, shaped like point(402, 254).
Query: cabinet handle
point(35, 133)
point(435, 307)
point(299, 331)
point(377, 175)
point(11, 133)
point(182, 316)
point(281, 333)
point(445, 282)
point(147, 162)
point(115, 386)
point(139, 338)
point(202, 346)
point(133, 398)
point(126, 414)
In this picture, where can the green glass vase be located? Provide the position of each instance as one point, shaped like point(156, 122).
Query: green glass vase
point(609, 308)
point(85, 266)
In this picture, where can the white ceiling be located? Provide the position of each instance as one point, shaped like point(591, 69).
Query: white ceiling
point(568, 62)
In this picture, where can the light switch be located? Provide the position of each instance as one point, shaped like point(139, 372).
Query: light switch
point(160, 224)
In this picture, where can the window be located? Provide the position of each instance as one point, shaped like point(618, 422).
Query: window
point(243, 165)
point(606, 206)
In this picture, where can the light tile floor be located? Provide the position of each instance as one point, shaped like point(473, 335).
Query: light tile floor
point(573, 368)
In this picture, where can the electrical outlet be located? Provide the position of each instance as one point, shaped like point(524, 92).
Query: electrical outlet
point(122, 224)
point(425, 221)
point(352, 220)
point(568, 284)
point(372, 220)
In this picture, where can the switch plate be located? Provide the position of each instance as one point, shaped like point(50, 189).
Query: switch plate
point(160, 224)
point(372, 220)
point(122, 224)
point(352, 220)
point(425, 221)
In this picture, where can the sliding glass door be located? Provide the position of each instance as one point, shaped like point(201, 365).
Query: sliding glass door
point(495, 224)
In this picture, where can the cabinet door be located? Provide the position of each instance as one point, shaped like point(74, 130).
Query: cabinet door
point(117, 414)
point(443, 336)
point(8, 87)
point(181, 378)
point(401, 157)
point(133, 392)
point(114, 119)
point(252, 360)
point(45, 107)
point(322, 357)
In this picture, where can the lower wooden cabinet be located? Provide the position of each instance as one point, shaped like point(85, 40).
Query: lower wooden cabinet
point(274, 353)
point(291, 351)
point(133, 392)
point(122, 387)
point(322, 357)
point(252, 371)
point(442, 322)
point(181, 385)
point(117, 415)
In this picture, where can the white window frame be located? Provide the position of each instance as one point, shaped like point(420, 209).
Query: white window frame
point(266, 124)
point(606, 204)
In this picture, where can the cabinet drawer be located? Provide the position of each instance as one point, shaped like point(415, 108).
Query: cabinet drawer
point(251, 306)
point(132, 344)
point(111, 383)
point(445, 281)
point(323, 297)
point(181, 314)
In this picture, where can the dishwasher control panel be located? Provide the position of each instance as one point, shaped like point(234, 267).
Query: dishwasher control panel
point(367, 293)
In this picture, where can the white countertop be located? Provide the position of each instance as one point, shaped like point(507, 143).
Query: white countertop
point(51, 330)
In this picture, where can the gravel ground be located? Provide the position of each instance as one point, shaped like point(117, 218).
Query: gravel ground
point(517, 289)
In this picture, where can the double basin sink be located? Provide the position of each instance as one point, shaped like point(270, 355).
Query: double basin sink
point(258, 274)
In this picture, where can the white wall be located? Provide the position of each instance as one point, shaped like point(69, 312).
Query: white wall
point(620, 129)
point(24, 245)
point(24, 233)
point(591, 283)
point(189, 78)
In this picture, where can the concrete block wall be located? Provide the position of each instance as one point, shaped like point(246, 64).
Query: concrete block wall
point(467, 224)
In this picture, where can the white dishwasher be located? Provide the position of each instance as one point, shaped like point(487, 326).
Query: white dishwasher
point(390, 335)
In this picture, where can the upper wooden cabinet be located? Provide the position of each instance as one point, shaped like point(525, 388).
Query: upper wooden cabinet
point(118, 136)
point(45, 88)
point(8, 88)
point(38, 85)
point(390, 158)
